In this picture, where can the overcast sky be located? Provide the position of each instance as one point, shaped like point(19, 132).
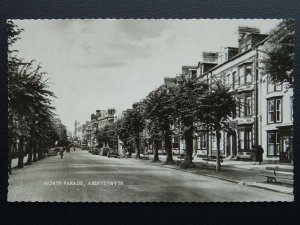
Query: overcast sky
point(100, 64)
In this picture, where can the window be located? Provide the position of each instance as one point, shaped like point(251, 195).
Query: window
point(233, 79)
point(241, 75)
point(248, 139)
point(248, 78)
point(271, 111)
point(273, 144)
point(245, 75)
point(183, 146)
point(278, 110)
point(240, 105)
point(248, 44)
point(274, 110)
point(242, 140)
point(228, 79)
point(213, 141)
point(242, 47)
point(245, 139)
point(248, 106)
point(278, 87)
point(271, 87)
point(202, 141)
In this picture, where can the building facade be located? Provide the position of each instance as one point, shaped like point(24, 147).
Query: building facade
point(265, 110)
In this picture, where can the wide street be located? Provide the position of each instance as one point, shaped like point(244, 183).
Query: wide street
point(81, 177)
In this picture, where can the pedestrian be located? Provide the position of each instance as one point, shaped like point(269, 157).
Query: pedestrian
point(259, 154)
point(61, 152)
point(253, 154)
point(74, 148)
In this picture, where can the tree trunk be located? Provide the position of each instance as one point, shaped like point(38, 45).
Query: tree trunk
point(39, 152)
point(21, 153)
point(188, 159)
point(29, 159)
point(168, 148)
point(137, 146)
point(218, 164)
point(155, 157)
point(10, 154)
point(34, 152)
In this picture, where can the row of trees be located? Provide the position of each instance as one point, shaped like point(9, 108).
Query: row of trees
point(31, 123)
point(180, 109)
point(184, 108)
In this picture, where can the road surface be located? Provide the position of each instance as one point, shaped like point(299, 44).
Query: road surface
point(82, 177)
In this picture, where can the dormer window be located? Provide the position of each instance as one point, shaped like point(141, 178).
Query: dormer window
point(242, 48)
point(248, 44)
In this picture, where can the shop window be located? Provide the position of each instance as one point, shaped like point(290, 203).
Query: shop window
point(273, 144)
point(274, 110)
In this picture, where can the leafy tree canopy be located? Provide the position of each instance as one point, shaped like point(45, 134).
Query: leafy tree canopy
point(279, 52)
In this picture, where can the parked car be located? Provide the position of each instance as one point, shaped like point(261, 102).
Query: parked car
point(104, 151)
point(52, 152)
point(112, 153)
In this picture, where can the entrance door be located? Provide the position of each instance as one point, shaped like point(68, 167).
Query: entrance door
point(231, 144)
point(286, 148)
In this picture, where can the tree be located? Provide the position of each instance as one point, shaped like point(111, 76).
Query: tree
point(155, 135)
point(134, 121)
point(29, 103)
point(278, 60)
point(217, 106)
point(159, 111)
point(124, 135)
point(107, 135)
point(187, 99)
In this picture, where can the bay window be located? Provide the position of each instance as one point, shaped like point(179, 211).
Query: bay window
point(248, 106)
point(274, 110)
point(245, 74)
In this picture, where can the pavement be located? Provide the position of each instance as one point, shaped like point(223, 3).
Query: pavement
point(82, 177)
point(241, 172)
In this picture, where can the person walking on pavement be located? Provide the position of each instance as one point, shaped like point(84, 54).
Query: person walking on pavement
point(259, 154)
point(74, 148)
